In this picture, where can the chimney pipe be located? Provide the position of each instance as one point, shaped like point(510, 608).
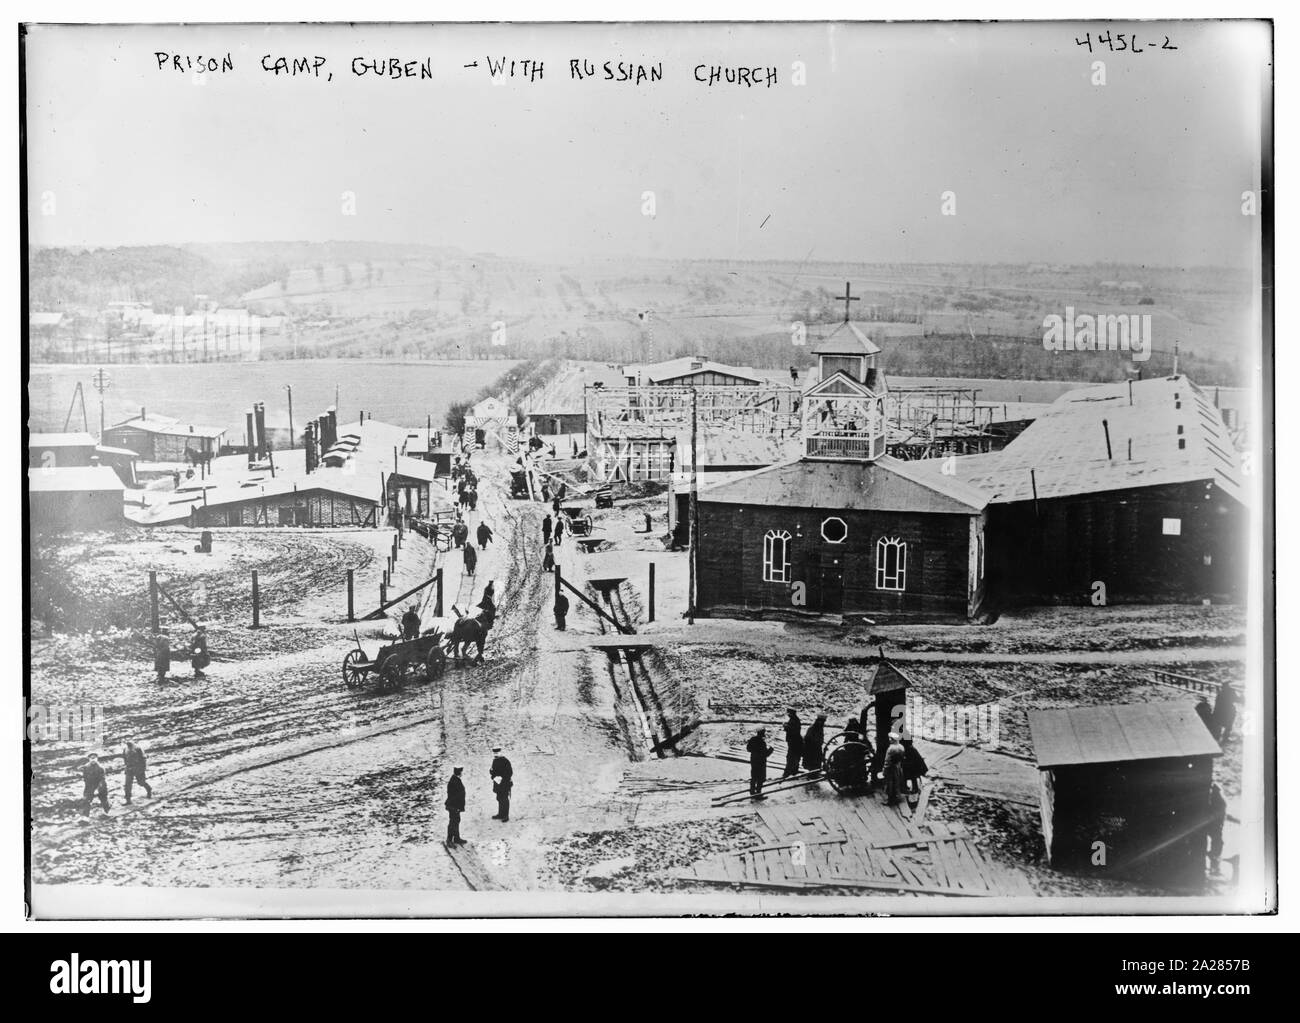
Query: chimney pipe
point(249, 437)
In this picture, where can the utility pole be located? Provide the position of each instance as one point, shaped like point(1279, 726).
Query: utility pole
point(694, 525)
point(101, 382)
point(289, 388)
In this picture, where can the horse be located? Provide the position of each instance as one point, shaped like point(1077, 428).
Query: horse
point(463, 633)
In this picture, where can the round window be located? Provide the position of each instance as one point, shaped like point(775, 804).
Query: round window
point(834, 530)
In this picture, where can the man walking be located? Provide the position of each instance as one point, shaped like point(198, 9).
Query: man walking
point(484, 534)
point(546, 529)
point(502, 782)
point(793, 743)
point(561, 611)
point(471, 558)
point(162, 656)
point(134, 763)
point(455, 807)
point(759, 751)
point(95, 784)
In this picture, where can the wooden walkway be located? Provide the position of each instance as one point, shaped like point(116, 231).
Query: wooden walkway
point(863, 845)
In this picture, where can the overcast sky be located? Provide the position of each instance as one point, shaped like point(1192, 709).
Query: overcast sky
point(1045, 165)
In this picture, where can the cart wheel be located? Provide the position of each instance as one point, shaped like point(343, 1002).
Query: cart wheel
point(352, 675)
point(391, 677)
point(436, 664)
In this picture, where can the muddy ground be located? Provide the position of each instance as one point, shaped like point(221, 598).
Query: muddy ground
point(271, 772)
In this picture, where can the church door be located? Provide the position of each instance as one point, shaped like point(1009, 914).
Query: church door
point(832, 584)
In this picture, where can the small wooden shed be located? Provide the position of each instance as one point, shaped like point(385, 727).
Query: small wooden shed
point(1124, 789)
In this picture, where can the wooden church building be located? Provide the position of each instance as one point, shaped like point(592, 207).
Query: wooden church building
point(845, 529)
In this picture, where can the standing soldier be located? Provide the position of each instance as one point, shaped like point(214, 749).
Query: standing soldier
point(813, 742)
point(546, 529)
point(793, 743)
point(95, 784)
point(162, 656)
point(759, 751)
point(199, 658)
point(484, 534)
point(410, 623)
point(133, 761)
point(1225, 713)
point(471, 558)
point(561, 609)
point(459, 532)
point(548, 559)
point(502, 782)
point(559, 530)
point(455, 807)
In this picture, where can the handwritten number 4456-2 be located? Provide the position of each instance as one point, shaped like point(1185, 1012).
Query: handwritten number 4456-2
point(1121, 41)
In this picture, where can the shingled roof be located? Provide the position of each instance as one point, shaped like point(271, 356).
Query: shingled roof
point(1167, 432)
point(846, 339)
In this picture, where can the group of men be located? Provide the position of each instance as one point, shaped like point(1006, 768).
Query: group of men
point(502, 774)
point(95, 780)
point(902, 766)
point(196, 653)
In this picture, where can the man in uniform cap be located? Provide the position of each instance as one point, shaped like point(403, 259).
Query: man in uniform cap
point(95, 784)
point(455, 807)
point(502, 782)
point(759, 751)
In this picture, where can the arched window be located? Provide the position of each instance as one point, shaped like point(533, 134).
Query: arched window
point(891, 564)
point(776, 556)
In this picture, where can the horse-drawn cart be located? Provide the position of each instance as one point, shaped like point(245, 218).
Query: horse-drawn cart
point(404, 661)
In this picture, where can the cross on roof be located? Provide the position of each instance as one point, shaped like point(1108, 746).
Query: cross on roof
point(846, 298)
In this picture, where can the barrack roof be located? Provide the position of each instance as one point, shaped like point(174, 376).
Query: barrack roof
point(74, 479)
point(170, 427)
point(1066, 446)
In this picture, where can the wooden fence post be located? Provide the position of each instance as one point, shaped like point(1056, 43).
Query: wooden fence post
point(351, 616)
point(153, 601)
point(437, 608)
point(257, 603)
point(651, 616)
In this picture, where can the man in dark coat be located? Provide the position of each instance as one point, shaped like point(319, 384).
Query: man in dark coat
point(759, 751)
point(471, 495)
point(561, 609)
point(410, 623)
point(894, 782)
point(502, 782)
point(1225, 713)
point(559, 531)
point(95, 784)
point(546, 529)
point(484, 534)
point(813, 741)
point(793, 743)
point(199, 658)
point(487, 614)
point(459, 533)
point(134, 764)
point(548, 559)
point(455, 807)
point(162, 656)
point(471, 558)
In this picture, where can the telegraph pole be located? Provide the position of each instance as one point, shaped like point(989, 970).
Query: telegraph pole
point(101, 382)
point(289, 388)
point(694, 521)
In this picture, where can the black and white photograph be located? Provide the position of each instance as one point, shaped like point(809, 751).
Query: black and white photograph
point(628, 469)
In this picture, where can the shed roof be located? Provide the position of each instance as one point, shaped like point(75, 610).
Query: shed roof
point(1066, 446)
point(887, 484)
point(75, 479)
point(170, 427)
point(1119, 733)
point(846, 339)
point(689, 366)
point(885, 676)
